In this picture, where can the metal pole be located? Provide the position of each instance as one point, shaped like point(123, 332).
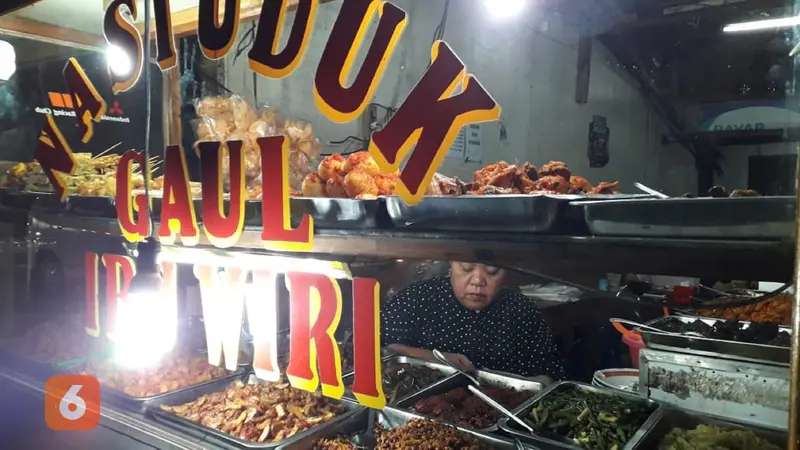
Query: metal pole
point(794, 409)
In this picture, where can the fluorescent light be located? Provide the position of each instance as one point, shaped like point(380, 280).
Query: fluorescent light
point(762, 24)
point(118, 61)
point(8, 58)
point(503, 9)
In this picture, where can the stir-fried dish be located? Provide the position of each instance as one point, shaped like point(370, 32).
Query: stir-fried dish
point(420, 434)
point(590, 420)
point(261, 413)
point(462, 408)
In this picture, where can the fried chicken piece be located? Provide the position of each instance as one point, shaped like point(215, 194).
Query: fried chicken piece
point(491, 190)
point(744, 193)
point(386, 184)
point(605, 187)
point(361, 161)
point(579, 185)
point(552, 184)
point(442, 185)
point(530, 171)
point(313, 186)
point(334, 187)
point(331, 166)
point(481, 176)
point(555, 168)
point(366, 197)
point(359, 182)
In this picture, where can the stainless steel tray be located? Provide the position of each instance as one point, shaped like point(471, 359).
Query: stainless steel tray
point(120, 398)
point(458, 380)
point(515, 213)
point(677, 418)
point(712, 347)
point(337, 213)
point(393, 361)
point(389, 418)
point(178, 398)
point(513, 429)
point(718, 218)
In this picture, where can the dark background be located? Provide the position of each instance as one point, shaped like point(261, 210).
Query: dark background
point(39, 70)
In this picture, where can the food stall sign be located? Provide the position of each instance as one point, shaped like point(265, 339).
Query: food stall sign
point(226, 296)
point(420, 133)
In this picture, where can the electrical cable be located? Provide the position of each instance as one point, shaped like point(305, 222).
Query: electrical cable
point(147, 111)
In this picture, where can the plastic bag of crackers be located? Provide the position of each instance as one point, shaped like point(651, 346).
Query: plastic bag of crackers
point(226, 118)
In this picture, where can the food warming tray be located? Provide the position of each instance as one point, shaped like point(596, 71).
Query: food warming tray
point(336, 213)
point(397, 360)
point(120, 398)
point(718, 218)
point(388, 418)
point(458, 380)
point(514, 430)
point(188, 395)
point(712, 347)
point(677, 418)
point(513, 213)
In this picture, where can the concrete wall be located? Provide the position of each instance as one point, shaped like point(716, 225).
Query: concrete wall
point(529, 66)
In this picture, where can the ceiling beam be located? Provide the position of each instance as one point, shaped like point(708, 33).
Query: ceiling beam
point(184, 23)
point(47, 32)
point(7, 6)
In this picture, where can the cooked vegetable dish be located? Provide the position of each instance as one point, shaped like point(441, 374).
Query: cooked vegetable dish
point(172, 374)
point(262, 413)
point(710, 437)
point(461, 408)
point(733, 330)
point(593, 421)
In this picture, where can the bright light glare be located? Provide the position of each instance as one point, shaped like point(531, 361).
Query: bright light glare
point(8, 60)
point(146, 329)
point(118, 61)
point(502, 9)
point(762, 24)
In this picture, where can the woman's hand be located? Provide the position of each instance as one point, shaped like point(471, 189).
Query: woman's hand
point(460, 361)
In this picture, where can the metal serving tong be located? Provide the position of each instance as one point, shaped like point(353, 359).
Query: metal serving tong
point(477, 392)
point(657, 330)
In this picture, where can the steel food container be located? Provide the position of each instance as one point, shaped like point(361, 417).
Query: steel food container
point(671, 418)
point(388, 418)
point(486, 379)
point(714, 218)
point(514, 430)
point(712, 347)
point(392, 362)
point(188, 395)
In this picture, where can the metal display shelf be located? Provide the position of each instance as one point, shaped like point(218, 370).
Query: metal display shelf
point(724, 259)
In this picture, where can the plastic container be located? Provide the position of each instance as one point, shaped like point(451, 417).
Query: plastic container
point(634, 346)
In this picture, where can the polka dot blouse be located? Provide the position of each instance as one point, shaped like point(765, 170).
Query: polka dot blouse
point(510, 335)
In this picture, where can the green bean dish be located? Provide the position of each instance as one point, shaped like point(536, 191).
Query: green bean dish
point(590, 420)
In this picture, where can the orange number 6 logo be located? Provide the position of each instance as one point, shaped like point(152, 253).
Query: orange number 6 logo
point(72, 402)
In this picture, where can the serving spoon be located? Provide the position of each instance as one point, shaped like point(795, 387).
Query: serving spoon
point(477, 392)
point(367, 438)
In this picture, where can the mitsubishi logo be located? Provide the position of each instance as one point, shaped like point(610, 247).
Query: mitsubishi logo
point(115, 109)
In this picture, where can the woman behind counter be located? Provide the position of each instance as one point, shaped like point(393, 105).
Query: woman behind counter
point(475, 321)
